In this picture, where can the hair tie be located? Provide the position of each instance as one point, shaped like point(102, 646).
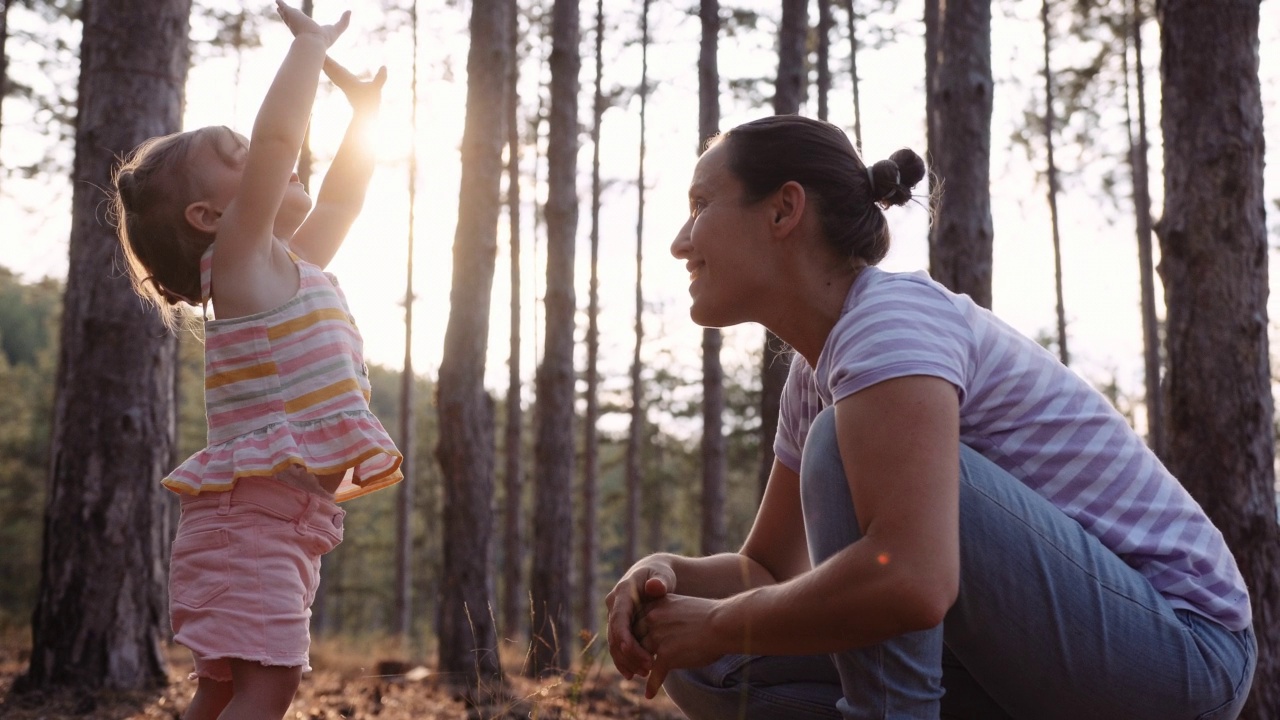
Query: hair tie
point(871, 180)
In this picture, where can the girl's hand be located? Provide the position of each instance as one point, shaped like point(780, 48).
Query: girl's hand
point(678, 630)
point(364, 95)
point(299, 24)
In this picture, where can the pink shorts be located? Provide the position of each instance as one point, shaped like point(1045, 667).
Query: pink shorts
point(244, 571)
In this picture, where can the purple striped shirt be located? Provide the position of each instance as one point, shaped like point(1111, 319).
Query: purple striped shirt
point(1030, 415)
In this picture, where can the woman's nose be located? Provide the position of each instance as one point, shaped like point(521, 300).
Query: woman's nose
point(680, 246)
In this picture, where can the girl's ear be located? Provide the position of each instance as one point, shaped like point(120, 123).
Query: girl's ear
point(203, 216)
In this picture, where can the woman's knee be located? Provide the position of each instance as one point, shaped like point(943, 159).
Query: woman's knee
point(695, 692)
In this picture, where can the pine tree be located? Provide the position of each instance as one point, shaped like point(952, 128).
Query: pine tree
point(1214, 253)
point(554, 449)
point(468, 639)
point(101, 609)
point(958, 101)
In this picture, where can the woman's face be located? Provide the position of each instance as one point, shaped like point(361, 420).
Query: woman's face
point(721, 244)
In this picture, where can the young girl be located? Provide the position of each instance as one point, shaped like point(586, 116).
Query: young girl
point(208, 216)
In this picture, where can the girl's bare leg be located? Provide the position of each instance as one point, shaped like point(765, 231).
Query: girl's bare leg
point(211, 697)
point(262, 692)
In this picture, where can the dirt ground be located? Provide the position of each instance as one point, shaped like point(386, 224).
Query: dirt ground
point(353, 684)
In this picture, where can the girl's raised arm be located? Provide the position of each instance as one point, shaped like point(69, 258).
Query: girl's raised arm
point(277, 138)
point(343, 191)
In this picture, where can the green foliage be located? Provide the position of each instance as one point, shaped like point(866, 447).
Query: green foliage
point(359, 576)
point(28, 316)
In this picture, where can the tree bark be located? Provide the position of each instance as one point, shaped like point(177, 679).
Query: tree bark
point(403, 621)
point(958, 104)
point(468, 640)
point(825, 22)
point(714, 538)
point(513, 489)
point(587, 600)
point(1052, 174)
point(636, 431)
point(101, 610)
point(1142, 212)
point(1213, 242)
point(4, 56)
point(853, 74)
point(554, 451)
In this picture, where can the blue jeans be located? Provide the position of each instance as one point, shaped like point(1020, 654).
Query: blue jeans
point(1048, 624)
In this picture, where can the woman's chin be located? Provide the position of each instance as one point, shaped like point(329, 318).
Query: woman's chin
point(706, 318)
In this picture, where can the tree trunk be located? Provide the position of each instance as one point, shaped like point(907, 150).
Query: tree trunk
point(101, 610)
point(4, 56)
point(513, 490)
point(554, 451)
point(1213, 243)
point(713, 443)
point(958, 104)
point(853, 74)
point(1052, 174)
point(1142, 212)
point(824, 60)
point(468, 640)
point(403, 621)
point(304, 155)
point(590, 452)
point(787, 99)
point(636, 432)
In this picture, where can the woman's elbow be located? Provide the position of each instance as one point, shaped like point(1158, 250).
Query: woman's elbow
point(924, 605)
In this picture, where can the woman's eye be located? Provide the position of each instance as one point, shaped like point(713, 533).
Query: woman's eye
point(695, 208)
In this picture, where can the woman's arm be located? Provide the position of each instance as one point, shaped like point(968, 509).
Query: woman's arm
point(775, 550)
point(901, 576)
point(342, 194)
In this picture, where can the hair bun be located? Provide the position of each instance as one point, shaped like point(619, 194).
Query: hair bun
point(892, 180)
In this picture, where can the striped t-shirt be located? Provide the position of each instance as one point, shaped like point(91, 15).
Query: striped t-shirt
point(1030, 415)
point(289, 387)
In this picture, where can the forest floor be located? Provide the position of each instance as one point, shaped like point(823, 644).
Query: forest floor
point(353, 680)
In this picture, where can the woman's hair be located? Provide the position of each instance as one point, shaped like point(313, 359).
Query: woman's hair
point(767, 153)
point(153, 187)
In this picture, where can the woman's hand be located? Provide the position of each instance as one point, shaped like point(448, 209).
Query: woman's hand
point(364, 95)
point(299, 24)
point(648, 581)
point(679, 632)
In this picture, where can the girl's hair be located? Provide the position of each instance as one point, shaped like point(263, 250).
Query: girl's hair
point(153, 187)
point(767, 153)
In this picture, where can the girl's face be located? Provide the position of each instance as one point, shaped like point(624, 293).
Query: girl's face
point(221, 159)
point(723, 244)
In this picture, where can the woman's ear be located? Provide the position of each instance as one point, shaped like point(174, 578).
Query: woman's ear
point(203, 216)
point(787, 206)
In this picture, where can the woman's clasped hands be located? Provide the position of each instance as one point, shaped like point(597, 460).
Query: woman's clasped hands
point(653, 630)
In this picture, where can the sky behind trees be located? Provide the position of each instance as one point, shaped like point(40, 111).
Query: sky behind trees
point(1099, 251)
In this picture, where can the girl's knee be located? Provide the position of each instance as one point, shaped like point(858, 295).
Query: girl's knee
point(210, 699)
point(269, 687)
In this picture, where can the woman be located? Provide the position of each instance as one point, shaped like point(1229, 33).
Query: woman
point(955, 526)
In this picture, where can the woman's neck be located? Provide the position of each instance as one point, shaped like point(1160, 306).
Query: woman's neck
point(805, 321)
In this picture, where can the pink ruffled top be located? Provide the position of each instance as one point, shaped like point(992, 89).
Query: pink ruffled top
point(289, 387)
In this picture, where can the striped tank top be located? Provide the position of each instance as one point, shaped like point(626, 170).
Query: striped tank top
point(289, 387)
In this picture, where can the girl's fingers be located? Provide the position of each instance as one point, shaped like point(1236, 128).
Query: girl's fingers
point(340, 76)
point(341, 26)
